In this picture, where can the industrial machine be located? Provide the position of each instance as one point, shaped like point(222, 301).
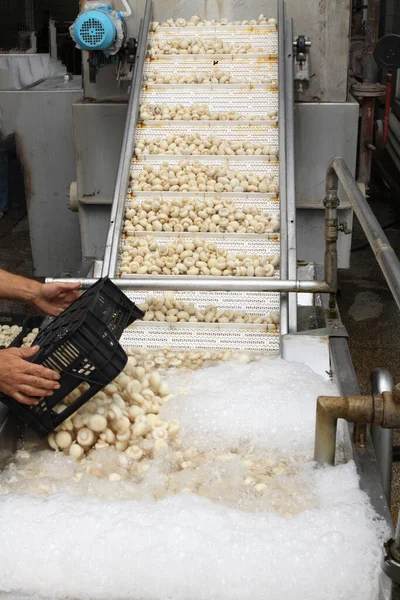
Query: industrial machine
point(292, 94)
point(101, 31)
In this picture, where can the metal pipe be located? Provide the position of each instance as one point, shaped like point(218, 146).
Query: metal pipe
point(382, 409)
point(365, 145)
point(122, 181)
point(371, 37)
point(128, 11)
point(382, 381)
point(384, 253)
point(388, 100)
point(368, 101)
point(331, 408)
point(331, 236)
point(331, 203)
point(284, 303)
point(290, 172)
point(217, 284)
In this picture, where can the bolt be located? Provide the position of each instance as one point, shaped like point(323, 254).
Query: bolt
point(396, 393)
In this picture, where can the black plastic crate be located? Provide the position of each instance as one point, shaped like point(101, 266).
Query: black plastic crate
point(11, 319)
point(81, 344)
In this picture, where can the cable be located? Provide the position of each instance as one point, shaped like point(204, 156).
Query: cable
point(128, 11)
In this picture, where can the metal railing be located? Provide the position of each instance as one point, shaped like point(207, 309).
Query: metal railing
point(384, 253)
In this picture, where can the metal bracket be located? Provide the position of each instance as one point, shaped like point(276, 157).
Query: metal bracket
point(126, 61)
point(301, 44)
point(336, 331)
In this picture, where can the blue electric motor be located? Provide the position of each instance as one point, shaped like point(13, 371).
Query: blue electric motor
point(95, 30)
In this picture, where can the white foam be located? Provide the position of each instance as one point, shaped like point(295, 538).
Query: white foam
point(189, 548)
point(270, 403)
point(99, 540)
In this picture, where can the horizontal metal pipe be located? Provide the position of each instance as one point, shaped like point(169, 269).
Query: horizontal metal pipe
point(380, 245)
point(217, 284)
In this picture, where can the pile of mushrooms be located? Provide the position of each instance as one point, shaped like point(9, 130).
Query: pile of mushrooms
point(204, 215)
point(197, 45)
point(29, 338)
point(216, 76)
point(193, 143)
point(8, 333)
point(199, 177)
point(123, 416)
point(197, 112)
point(145, 256)
point(196, 21)
point(170, 310)
point(170, 358)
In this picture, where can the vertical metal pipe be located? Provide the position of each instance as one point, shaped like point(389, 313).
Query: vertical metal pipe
point(366, 137)
point(371, 37)
point(325, 434)
point(388, 100)
point(331, 236)
point(290, 175)
point(331, 203)
point(284, 309)
point(368, 103)
point(382, 439)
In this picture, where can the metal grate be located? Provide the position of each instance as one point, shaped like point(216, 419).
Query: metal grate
point(244, 338)
point(253, 70)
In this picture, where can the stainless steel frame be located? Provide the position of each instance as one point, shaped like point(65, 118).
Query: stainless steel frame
point(284, 264)
point(121, 186)
point(290, 173)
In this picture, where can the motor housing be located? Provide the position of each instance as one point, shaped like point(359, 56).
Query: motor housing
point(96, 29)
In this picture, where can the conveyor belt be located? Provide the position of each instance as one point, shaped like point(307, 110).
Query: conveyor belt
point(253, 99)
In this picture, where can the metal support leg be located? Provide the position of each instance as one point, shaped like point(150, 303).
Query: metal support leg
point(382, 381)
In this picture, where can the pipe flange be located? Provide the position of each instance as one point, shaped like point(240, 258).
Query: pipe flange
point(378, 409)
point(368, 90)
point(389, 564)
point(331, 200)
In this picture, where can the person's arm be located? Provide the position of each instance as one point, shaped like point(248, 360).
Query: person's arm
point(51, 298)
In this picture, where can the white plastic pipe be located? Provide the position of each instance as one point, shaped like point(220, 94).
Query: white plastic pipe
point(128, 11)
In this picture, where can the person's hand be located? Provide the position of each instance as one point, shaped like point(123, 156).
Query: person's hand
point(54, 298)
point(23, 380)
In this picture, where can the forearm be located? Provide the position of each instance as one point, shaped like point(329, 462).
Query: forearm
point(14, 287)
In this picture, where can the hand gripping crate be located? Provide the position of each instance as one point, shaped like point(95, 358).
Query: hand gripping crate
point(82, 345)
